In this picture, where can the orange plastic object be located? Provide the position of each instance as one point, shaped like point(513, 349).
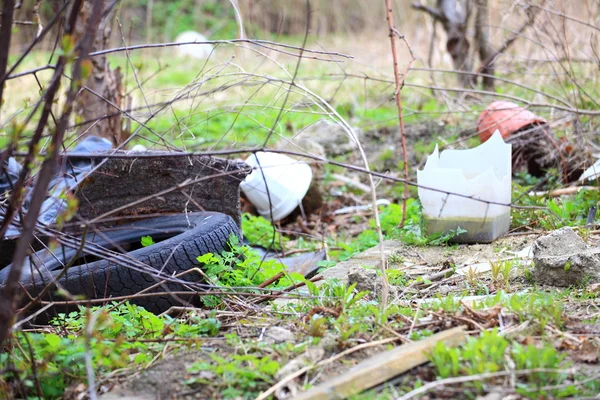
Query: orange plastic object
point(506, 117)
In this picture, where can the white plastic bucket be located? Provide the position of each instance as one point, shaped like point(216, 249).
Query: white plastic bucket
point(288, 181)
point(483, 173)
point(200, 51)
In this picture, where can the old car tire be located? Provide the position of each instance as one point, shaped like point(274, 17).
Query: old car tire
point(182, 239)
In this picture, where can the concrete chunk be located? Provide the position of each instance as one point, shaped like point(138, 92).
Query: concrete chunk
point(562, 258)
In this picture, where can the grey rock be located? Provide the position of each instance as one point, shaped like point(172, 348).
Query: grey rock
point(276, 334)
point(562, 258)
point(302, 145)
point(322, 138)
point(362, 269)
point(367, 280)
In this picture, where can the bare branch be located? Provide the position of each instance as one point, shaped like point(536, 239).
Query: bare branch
point(433, 12)
point(9, 293)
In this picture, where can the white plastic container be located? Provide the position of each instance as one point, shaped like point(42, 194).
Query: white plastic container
point(200, 51)
point(288, 181)
point(485, 173)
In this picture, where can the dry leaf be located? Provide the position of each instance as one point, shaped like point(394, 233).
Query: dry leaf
point(588, 353)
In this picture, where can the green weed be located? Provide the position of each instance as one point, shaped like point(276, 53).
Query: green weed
point(566, 211)
point(117, 341)
point(240, 375)
point(390, 217)
point(491, 352)
point(147, 241)
point(501, 271)
point(239, 267)
point(260, 232)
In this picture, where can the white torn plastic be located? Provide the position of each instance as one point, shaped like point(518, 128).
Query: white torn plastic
point(592, 172)
point(285, 182)
point(484, 173)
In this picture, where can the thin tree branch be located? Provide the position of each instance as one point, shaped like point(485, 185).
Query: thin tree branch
point(10, 292)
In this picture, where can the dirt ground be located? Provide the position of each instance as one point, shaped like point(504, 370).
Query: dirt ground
point(166, 379)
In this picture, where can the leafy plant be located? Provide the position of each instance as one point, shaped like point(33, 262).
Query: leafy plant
point(147, 241)
point(566, 211)
point(116, 342)
point(241, 375)
point(446, 360)
point(491, 352)
point(501, 271)
point(241, 266)
point(411, 233)
point(345, 329)
point(396, 277)
point(316, 326)
point(258, 231)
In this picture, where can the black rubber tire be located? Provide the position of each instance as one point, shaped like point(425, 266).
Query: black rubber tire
point(185, 238)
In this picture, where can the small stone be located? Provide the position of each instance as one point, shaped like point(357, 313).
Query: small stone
point(367, 280)
point(302, 145)
point(491, 396)
point(562, 258)
point(276, 334)
point(322, 138)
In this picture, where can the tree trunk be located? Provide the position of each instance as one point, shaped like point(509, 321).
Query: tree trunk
point(454, 16)
point(482, 37)
point(98, 110)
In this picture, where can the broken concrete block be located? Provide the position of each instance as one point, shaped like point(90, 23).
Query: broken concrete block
point(562, 258)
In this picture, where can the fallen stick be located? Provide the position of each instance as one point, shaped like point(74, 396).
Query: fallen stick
point(321, 363)
point(564, 191)
point(382, 367)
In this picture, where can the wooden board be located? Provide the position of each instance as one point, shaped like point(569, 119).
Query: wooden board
point(382, 367)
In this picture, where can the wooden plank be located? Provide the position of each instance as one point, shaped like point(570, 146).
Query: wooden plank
point(382, 367)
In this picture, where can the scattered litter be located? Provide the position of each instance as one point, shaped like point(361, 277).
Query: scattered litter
point(563, 191)
point(138, 148)
point(483, 173)
point(351, 182)
point(74, 172)
point(592, 172)
point(477, 268)
point(524, 254)
point(305, 264)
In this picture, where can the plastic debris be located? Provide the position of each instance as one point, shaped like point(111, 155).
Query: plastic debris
point(75, 170)
point(482, 173)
